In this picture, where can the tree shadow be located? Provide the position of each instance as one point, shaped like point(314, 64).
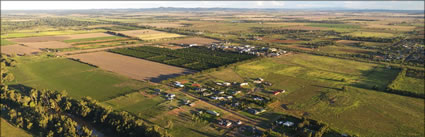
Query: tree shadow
point(203, 133)
point(167, 76)
point(20, 87)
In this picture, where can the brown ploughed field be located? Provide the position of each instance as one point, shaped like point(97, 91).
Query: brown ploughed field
point(134, 68)
point(40, 39)
point(48, 44)
point(194, 40)
point(18, 50)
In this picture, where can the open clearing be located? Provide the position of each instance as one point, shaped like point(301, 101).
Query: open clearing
point(88, 35)
point(39, 39)
point(76, 78)
point(59, 37)
point(48, 44)
point(313, 85)
point(147, 34)
point(132, 67)
point(8, 130)
point(18, 50)
point(194, 40)
point(162, 25)
point(5, 42)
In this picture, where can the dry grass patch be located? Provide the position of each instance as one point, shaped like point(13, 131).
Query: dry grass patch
point(18, 50)
point(47, 44)
point(134, 68)
point(194, 40)
point(40, 39)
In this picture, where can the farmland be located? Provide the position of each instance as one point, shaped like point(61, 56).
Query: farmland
point(314, 85)
point(77, 79)
point(131, 67)
point(198, 58)
point(204, 72)
point(149, 34)
point(6, 42)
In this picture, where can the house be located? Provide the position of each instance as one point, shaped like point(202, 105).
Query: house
point(257, 82)
point(236, 92)
point(212, 112)
point(260, 79)
point(244, 84)
point(219, 92)
point(258, 99)
point(171, 95)
point(186, 102)
point(235, 104)
point(191, 104)
point(253, 111)
point(239, 122)
point(229, 97)
point(288, 123)
point(206, 93)
point(268, 84)
point(278, 92)
point(226, 123)
point(226, 83)
point(157, 90)
point(196, 85)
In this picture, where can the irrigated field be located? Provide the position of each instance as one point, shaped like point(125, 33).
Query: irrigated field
point(76, 78)
point(131, 67)
point(314, 87)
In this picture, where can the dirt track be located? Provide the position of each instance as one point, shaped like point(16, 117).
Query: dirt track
point(131, 67)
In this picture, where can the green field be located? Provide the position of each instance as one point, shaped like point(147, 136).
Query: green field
point(371, 34)
point(76, 78)
point(158, 36)
point(48, 33)
point(92, 39)
point(5, 42)
point(411, 84)
point(314, 88)
point(8, 130)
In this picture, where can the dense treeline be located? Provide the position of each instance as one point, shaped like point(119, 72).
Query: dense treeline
point(318, 44)
point(197, 58)
point(49, 113)
point(370, 39)
point(48, 21)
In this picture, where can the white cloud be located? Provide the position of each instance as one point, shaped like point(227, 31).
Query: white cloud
point(260, 3)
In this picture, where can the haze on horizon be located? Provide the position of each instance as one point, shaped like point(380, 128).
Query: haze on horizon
point(75, 5)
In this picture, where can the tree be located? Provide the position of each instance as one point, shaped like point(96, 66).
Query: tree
point(86, 132)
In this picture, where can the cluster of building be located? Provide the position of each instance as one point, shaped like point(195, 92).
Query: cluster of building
point(248, 49)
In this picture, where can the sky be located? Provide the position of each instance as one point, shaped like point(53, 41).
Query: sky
point(50, 5)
